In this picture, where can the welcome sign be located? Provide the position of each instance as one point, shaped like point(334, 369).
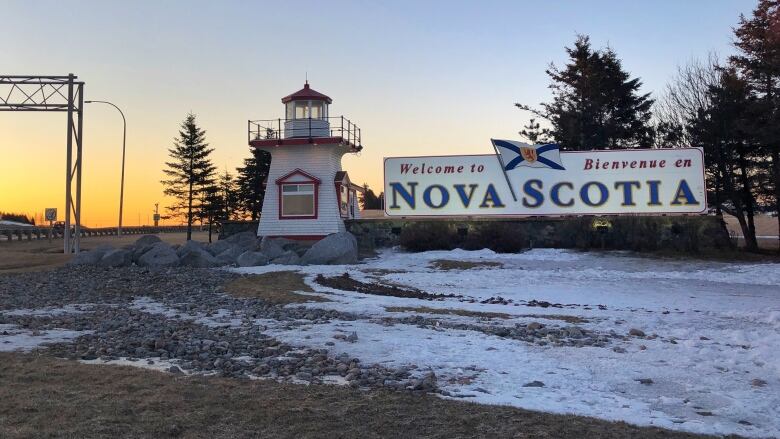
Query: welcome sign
point(524, 179)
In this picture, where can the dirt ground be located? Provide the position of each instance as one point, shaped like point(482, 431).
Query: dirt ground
point(278, 288)
point(20, 256)
point(766, 230)
point(47, 397)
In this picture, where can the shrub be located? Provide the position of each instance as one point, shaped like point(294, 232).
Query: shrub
point(501, 237)
point(429, 235)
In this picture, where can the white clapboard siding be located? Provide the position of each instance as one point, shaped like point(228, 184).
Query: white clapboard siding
point(321, 161)
point(306, 128)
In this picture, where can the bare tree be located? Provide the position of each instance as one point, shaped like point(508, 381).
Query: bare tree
point(685, 97)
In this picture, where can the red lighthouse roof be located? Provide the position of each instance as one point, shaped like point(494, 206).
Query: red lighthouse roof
point(306, 94)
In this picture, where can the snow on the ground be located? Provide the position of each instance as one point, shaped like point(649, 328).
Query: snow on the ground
point(15, 338)
point(153, 363)
point(76, 308)
point(221, 317)
point(718, 327)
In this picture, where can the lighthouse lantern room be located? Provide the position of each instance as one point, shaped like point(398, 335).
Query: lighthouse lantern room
point(308, 196)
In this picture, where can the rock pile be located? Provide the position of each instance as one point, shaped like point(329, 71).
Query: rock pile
point(188, 323)
point(242, 249)
point(533, 333)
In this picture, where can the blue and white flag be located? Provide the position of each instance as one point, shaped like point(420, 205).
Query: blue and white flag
point(514, 154)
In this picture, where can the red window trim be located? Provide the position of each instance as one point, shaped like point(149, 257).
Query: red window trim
point(309, 179)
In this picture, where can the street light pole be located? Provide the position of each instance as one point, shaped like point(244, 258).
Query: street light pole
point(122, 184)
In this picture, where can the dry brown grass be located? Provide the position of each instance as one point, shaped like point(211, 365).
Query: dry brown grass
point(277, 288)
point(47, 397)
point(449, 264)
point(22, 256)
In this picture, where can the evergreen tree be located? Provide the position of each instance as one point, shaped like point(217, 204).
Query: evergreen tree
point(724, 132)
point(17, 217)
point(229, 193)
point(595, 102)
point(535, 133)
point(369, 200)
point(189, 172)
point(758, 41)
point(249, 183)
point(212, 206)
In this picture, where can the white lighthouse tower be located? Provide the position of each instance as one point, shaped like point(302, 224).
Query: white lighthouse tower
point(308, 196)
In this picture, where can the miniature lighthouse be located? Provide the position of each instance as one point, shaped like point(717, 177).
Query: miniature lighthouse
point(308, 196)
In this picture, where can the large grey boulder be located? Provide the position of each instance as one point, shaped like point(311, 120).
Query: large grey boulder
point(298, 246)
point(246, 240)
point(241, 236)
point(198, 259)
point(91, 257)
point(252, 259)
point(338, 248)
point(117, 258)
point(190, 246)
point(159, 255)
point(219, 247)
point(229, 256)
point(194, 254)
point(147, 241)
point(272, 247)
point(289, 257)
point(143, 245)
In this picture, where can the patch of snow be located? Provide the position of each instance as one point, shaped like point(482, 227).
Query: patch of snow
point(14, 338)
point(78, 308)
point(220, 318)
point(717, 326)
point(152, 363)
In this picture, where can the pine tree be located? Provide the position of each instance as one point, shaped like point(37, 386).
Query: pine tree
point(534, 133)
point(249, 183)
point(212, 206)
point(229, 193)
point(595, 103)
point(758, 41)
point(724, 132)
point(369, 200)
point(189, 172)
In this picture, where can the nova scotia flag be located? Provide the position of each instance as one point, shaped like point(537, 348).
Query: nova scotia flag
point(514, 154)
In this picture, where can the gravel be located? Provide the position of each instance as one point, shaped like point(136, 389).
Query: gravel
point(533, 333)
point(187, 329)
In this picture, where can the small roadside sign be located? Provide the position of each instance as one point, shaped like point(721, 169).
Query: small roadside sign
point(51, 214)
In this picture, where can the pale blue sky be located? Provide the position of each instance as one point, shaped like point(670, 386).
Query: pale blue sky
point(419, 77)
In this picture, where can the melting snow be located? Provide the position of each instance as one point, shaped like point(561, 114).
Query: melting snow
point(718, 327)
point(14, 338)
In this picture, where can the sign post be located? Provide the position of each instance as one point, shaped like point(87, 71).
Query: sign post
point(51, 216)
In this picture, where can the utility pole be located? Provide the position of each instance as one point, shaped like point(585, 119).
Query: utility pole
point(122, 182)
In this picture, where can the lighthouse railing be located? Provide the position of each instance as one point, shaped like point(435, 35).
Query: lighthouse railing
point(276, 129)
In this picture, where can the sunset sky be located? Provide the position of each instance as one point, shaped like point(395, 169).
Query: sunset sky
point(418, 77)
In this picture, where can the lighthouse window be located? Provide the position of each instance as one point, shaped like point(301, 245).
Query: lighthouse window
point(316, 110)
point(302, 110)
point(298, 200)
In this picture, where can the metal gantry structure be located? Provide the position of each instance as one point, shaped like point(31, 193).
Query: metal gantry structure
point(59, 94)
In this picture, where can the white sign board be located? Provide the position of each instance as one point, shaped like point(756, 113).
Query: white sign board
point(614, 182)
point(51, 214)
